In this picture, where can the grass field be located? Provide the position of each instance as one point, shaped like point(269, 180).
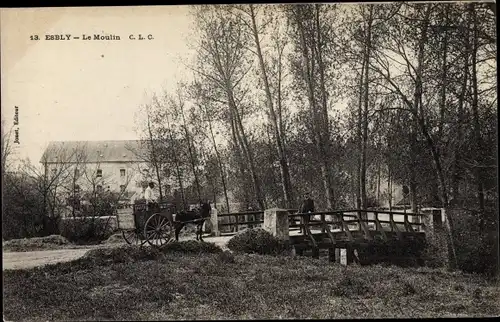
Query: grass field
point(129, 283)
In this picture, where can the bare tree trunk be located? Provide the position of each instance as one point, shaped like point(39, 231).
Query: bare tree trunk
point(359, 136)
point(219, 160)
point(285, 166)
point(45, 191)
point(389, 186)
point(417, 106)
point(366, 60)
point(190, 151)
point(177, 165)
point(475, 113)
point(239, 157)
point(246, 149)
point(308, 74)
point(285, 175)
point(459, 127)
point(73, 193)
point(153, 154)
point(324, 124)
point(419, 113)
point(378, 182)
point(444, 74)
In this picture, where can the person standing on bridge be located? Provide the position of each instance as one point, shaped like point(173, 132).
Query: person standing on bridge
point(306, 207)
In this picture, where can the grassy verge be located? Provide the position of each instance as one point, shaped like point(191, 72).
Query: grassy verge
point(192, 282)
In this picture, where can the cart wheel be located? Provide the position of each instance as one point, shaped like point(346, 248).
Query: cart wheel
point(158, 231)
point(132, 237)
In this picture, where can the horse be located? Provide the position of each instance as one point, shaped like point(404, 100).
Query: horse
point(197, 216)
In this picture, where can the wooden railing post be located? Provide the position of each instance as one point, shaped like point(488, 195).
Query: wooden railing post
point(345, 228)
point(250, 218)
point(329, 233)
point(359, 220)
point(378, 226)
point(303, 225)
point(408, 226)
point(362, 225)
point(323, 223)
point(395, 228)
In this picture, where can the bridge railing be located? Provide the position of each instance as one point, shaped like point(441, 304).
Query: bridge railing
point(250, 219)
point(362, 220)
point(346, 220)
point(236, 219)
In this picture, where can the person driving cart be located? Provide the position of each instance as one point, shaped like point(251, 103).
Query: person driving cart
point(149, 195)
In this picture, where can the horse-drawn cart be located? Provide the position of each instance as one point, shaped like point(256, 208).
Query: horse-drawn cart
point(156, 223)
point(153, 224)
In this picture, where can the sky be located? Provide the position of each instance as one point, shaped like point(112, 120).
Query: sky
point(86, 89)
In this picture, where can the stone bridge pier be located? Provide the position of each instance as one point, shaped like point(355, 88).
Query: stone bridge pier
point(276, 222)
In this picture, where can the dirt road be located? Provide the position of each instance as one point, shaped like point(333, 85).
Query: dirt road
point(20, 260)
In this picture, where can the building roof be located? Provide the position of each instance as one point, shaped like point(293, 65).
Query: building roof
point(94, 151)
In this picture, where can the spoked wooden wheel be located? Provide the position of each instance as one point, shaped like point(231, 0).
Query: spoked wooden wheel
point(132, 237)
point(158, 231)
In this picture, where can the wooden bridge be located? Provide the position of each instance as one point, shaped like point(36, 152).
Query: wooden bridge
point(358, 233)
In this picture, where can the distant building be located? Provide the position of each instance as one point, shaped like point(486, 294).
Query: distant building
point(116, 166)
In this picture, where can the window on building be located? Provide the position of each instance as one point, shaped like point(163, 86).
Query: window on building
point(99, 188)
point(77, 173)
point(122, 172)
point(99, 173)
point(122, 188)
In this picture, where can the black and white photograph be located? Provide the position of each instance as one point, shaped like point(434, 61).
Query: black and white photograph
point(250, 161)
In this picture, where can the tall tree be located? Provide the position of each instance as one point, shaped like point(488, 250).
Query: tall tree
point(178, 106)
point(274, 114)
point(305, 21)
point(223, 63)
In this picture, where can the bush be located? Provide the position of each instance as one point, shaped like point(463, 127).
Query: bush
point(27, 244)
point(475, 245)
point(122, 254)
point(191, 246)
point(87, 229)
point(257, 240)
point(435, 252)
